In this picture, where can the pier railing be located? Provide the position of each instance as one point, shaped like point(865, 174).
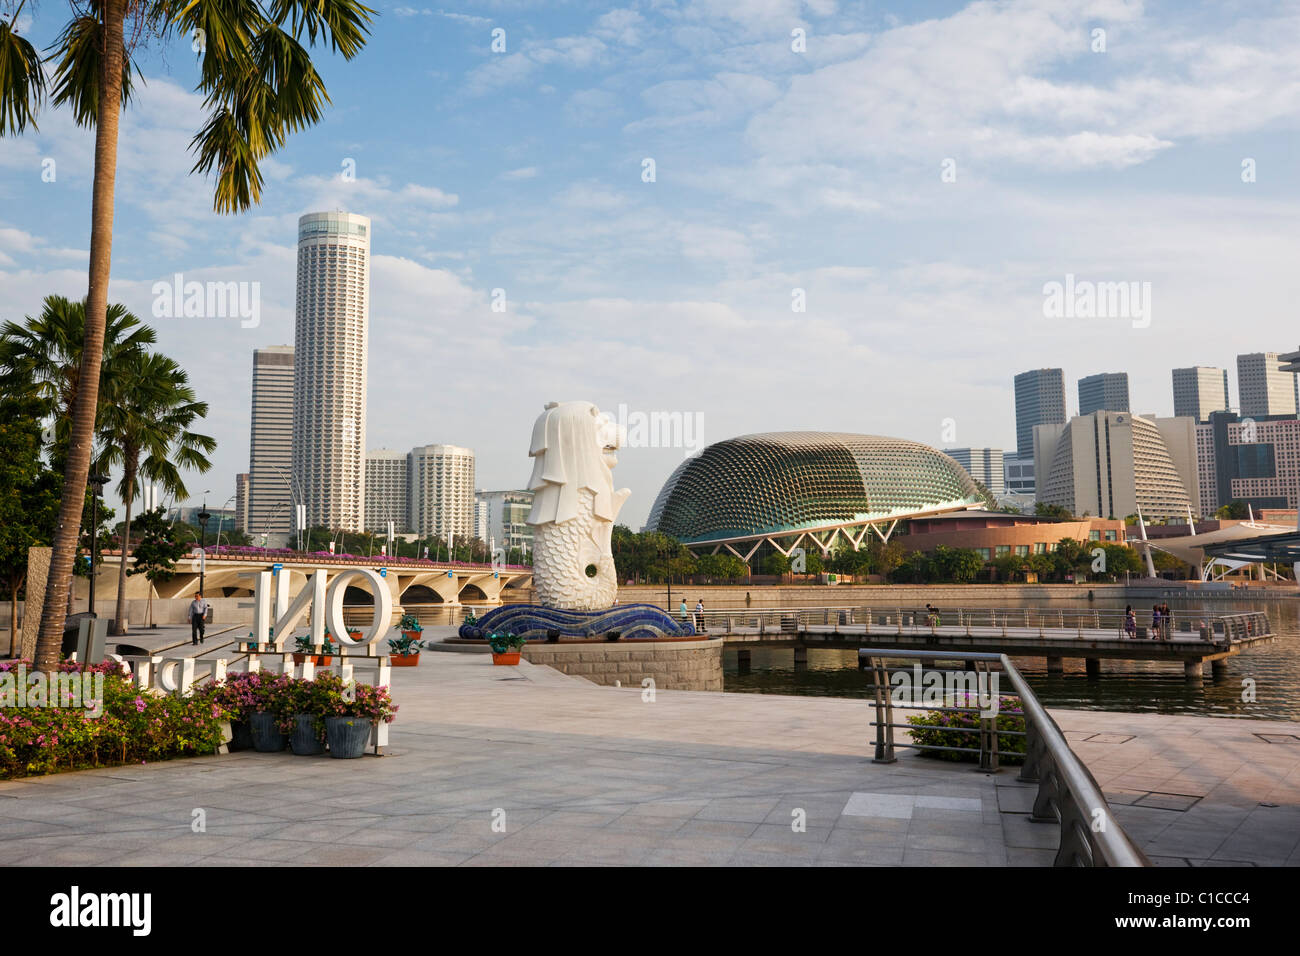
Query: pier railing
point(1210, 626)
point(1067, 793)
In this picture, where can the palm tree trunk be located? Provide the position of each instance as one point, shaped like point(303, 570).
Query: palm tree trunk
point(83, 412)
point(119, 615)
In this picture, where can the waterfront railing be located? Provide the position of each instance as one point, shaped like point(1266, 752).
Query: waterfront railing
point(1067, 793)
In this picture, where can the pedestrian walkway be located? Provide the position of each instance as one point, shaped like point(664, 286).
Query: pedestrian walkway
point(523, 765)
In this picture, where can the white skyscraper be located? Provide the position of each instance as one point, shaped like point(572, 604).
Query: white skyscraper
point(386, 478)
point(1200, 390)
point(331, 330)
point(1263, 388)
point(440, 491)
point(268, 498)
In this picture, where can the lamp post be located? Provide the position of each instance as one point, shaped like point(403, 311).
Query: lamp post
point(203, 542)
point(221, 516)
point(97, 483)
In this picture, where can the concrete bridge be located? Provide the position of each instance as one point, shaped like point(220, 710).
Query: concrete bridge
point(227, 574)
point(1192, 639)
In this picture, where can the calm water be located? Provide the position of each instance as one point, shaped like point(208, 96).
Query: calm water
point(1123, 685)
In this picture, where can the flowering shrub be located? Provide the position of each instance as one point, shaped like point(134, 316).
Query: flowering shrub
point(133, 728)
point(935, 729)
point(241, 695)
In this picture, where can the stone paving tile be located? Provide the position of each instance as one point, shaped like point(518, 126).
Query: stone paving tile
point(591, 776)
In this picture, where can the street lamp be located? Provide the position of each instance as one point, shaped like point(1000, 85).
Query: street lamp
point(221, 516)
point(203, 542)
point(97, 482)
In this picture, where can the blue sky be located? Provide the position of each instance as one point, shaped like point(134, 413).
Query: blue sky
point(775, 170)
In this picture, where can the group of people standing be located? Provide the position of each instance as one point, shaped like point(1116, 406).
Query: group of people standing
point(1162, 622)
point(698, 620)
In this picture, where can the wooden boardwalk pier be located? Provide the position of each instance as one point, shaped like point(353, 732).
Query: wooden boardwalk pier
point(1191, 639)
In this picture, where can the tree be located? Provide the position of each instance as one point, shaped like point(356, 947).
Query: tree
point(29, 498)
point(143, 430)
point(1236, 509)
point(1044, 510)
point(42, 360)
point(776, 563)
point(961, 565)
point(259, 85)
point(722, 565)
point(157, 553)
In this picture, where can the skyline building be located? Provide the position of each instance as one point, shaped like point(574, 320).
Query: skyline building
point(331, 327)
point(1255, 461)
point(386, 491)
point(1200, 390)
point(269, 498)
point(440, 491)
point(241, 501)
point(1263, 388)
point(1040, 400)
point(985, 465)
point(1105, 391)
point(1114, 464)
point(506, 514)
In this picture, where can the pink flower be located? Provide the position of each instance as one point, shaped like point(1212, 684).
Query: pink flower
point(139, 708)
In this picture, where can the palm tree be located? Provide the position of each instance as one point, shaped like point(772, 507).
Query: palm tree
point(259, 85)
point(42, 359)
point(147, 433)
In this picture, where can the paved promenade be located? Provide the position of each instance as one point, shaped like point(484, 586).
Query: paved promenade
point(571, 774)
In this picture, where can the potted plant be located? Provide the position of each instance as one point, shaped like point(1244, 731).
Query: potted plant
point(410, 626)
point(308, 701)
point(505, 648)
point(305, 650)
point(352, 711)
point(405, 650)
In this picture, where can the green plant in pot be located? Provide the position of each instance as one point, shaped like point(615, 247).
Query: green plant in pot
point(410, 626)
point(304, 649)
point(405, 650)
point(505, 647)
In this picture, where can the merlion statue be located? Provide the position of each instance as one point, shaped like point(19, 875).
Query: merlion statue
point(574, 506)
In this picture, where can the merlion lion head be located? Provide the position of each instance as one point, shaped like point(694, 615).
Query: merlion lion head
point(574, 450)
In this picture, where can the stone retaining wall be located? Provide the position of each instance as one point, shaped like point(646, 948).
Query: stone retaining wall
point(673, 665)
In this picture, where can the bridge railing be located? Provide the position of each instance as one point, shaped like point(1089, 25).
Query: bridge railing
point(1068, 795)
point(1211, 626)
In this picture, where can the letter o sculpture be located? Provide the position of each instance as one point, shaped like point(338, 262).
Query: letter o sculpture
point(334, 606)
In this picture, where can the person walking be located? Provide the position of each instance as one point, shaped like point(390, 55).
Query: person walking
point(198, 618)
point(1155, 622)
point(1167, 621)
point(682, 610)
point(699, 616)
point(1130, 622)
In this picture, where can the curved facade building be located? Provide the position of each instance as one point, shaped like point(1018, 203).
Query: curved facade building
point(782, 484)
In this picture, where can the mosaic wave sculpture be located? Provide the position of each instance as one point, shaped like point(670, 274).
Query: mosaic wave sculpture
point(532, 621)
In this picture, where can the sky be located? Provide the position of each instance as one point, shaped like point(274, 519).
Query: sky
point(854, 211)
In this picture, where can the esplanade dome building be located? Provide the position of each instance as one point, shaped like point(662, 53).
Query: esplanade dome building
point(781, 488)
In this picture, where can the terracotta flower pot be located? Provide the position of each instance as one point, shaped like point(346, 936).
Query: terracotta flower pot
point(413, 635)
point(321, 660)
point(405, 660)
point(509, 657)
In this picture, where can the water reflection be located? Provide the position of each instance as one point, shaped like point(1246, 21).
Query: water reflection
point(1136, 686)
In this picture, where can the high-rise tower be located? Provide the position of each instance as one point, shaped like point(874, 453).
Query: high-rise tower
point(269, 498)
point(332, 315)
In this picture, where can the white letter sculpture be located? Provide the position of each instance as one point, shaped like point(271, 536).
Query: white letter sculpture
point(574, 507)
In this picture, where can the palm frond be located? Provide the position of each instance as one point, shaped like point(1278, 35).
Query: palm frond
point(77, 76)
point(22, 82)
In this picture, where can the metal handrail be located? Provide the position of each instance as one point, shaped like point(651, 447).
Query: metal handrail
point(1067, 792)
point(1187, 622)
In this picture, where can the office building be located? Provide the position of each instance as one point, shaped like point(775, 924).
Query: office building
point(440, 491)
point(1256, 461)
point(1263, 388)
point(1018, 475)
point(331, 326)
point(1115, 464)
point(241, 501)
point(270, 496)
point(386, 490)
point(1040, 400)
point(506, 513)
point(1106, 391)
point(1200, 390)
point(985, 465)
